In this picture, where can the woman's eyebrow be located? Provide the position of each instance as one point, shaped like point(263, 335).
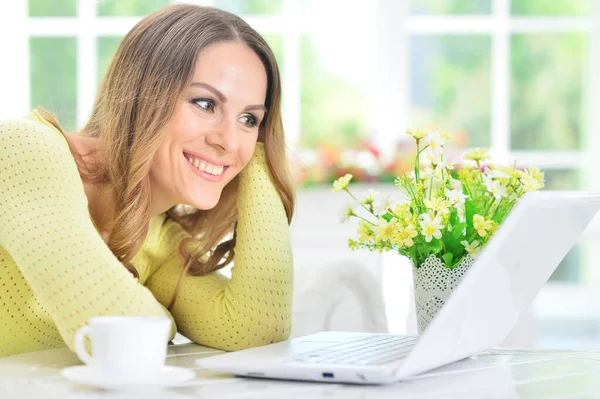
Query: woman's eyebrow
point(259, 107)
point(223, 99)
point(210, 88)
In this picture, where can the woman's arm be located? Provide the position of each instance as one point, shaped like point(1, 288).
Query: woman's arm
point(252, 308)
point(46, 228)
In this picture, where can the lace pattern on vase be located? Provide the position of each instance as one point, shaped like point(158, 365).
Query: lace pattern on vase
point(433, 283)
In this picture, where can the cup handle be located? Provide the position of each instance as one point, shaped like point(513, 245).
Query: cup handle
point(80, 349)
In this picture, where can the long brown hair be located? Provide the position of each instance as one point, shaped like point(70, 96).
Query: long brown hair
point(135, 102)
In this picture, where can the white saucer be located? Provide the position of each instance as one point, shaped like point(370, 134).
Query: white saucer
point(167, 377)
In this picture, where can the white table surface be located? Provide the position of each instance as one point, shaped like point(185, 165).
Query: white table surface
point(502, 373)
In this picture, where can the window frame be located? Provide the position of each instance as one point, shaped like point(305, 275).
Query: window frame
point(390, 98)
point(395, 25)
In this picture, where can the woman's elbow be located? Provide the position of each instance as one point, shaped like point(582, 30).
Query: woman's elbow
point(261, 336)
point(271, 335)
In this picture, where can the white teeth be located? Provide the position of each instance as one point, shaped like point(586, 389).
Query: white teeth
point(207, 167)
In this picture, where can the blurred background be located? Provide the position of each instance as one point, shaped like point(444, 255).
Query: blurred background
point(515, 76)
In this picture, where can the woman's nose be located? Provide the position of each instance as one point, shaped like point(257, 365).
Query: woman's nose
point(225, 136)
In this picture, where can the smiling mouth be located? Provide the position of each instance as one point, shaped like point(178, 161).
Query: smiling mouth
point(205, 166)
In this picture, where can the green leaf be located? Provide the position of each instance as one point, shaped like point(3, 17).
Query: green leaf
point(453, 238)
point(423, 251)
point(412, 252)
point(469, 213)
point(458, 232)
point(387, 216)
point(448, 239)
point(453, 219)
point(435, 246)
point(402, 252)
point(459, 253)
point(447, 258)
point(457, 261)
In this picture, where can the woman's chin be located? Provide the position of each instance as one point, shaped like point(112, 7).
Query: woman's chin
point(205, 204)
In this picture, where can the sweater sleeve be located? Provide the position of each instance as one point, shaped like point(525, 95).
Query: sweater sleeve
point(253, 308)
point(46, 228)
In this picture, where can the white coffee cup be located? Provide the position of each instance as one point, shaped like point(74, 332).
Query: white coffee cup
point(125, 347)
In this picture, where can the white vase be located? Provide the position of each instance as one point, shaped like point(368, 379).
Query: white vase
point(433, 283)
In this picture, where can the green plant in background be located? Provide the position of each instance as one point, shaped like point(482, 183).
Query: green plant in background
point(446, 211)
point(452, 75)
point(333, 109)
point(130, 8)
point(53, 77)
point(548, 101)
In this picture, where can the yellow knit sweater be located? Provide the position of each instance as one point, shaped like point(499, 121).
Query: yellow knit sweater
point(56, 271)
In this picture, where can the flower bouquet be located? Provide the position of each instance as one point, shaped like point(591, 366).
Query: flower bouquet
point(444, 215)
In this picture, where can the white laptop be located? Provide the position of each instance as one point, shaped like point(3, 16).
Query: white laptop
point(480, 313)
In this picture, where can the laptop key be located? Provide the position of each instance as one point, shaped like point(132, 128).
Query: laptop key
point(368, 351)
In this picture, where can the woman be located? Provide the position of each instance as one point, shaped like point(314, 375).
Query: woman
point(180, 170)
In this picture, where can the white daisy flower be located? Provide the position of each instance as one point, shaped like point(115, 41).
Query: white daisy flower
point(495, 187)
point(431, 227)
point(455, 196)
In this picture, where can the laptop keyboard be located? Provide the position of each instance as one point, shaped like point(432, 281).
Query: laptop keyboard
point(374, 350)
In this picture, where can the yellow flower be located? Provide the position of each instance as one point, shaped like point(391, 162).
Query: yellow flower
point(481, 225)
point(471, 248)
point(514, 172)
point(468, 176)
point(404, 237)
point(384, 231)
point(342, 183)
point(510, 171)
point(537, 174)
point(494, 227)
point(437, 204)
point(352, 244)
point(531, 179)
point(477, 154)
point(531, 185)
point(365, 231)
point(418, 134)
point(446, 136)
point(402, 211)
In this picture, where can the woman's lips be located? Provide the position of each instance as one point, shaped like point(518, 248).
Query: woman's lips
point(204, 174)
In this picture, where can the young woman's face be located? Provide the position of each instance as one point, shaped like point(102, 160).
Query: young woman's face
point(214, 130)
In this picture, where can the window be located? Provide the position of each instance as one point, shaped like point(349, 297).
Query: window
point(323, 99)
point(450, 83)
point(541, 86)
point(512, 75)
point(516, 77)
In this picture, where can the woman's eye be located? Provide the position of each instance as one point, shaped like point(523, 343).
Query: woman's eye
point(249, 121)
point(206, 104)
